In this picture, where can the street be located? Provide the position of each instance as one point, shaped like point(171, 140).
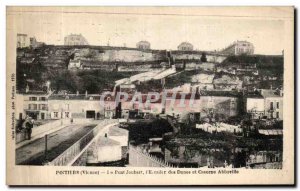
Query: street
point(34, 153)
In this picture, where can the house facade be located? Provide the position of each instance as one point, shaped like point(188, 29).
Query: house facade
point(33, 104)
point(268, 103)
point(22, 41)
point(75, 106)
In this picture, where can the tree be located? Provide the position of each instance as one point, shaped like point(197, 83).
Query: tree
point(203, 57)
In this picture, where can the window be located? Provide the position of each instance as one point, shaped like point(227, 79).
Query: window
point(277, 105)
point(55, 114)
point(277, 115)
point(42, 107)
point(67, 114)
point(42, 99)
point(271, 106)
point(32, 98)
point(32, 106)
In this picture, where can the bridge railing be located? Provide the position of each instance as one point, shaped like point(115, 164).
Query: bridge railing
point(144, 159)
point(68, 155)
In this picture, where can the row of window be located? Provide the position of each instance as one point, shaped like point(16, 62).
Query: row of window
point(37, 107)
point(272, 105)
point(277, 115)
point(67, 114)
point(37, 98)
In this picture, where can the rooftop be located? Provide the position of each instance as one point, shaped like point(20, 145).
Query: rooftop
point(270, 93)
point(105, 141)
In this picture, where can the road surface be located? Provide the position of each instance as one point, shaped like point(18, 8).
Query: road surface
point(58, 141)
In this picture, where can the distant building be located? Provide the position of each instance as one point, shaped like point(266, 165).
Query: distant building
point(267, 103)
point(255, 106)
point(143, 45)
point(185, 46)
point(239, 47)
point(34, 43)
point(22, 41)
point(74, 106)
point(74, 64)
point(75, 39)
point(218, 104)
point(273, 103)
point(35, 104)
point(220, 127)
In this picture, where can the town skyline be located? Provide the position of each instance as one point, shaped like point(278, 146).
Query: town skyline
point(165, 32)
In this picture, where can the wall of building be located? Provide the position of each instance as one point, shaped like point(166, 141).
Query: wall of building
point(76, 108)
point(197, 56)
point(126, 55)
point(277, 107)
point(37, 109)
point(255, 104)
point(225, 106)
point(22, 41)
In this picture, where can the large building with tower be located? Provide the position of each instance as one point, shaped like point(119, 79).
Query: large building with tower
point(143, 45)
point(185, 46)
point(75, 39)
point(239, 48)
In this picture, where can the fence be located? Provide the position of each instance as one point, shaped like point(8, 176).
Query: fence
point(138, 158)
point(68, 155)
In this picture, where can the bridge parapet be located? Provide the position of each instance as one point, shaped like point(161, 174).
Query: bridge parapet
point(138, 158)
point(68, 156)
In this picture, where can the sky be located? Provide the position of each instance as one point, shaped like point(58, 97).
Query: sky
point(162, 31)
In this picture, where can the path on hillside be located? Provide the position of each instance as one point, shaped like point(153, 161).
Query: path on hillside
point(58, 142)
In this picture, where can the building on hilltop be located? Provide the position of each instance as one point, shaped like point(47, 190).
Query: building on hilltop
point(143, 45)
point(185, 46)
point(75, 39)
point(22, 41)
point(34, 43)
point(239, 47)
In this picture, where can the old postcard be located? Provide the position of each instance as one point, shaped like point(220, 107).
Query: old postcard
point(150, 96)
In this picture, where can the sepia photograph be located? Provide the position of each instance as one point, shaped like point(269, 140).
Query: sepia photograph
point(151, 91)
